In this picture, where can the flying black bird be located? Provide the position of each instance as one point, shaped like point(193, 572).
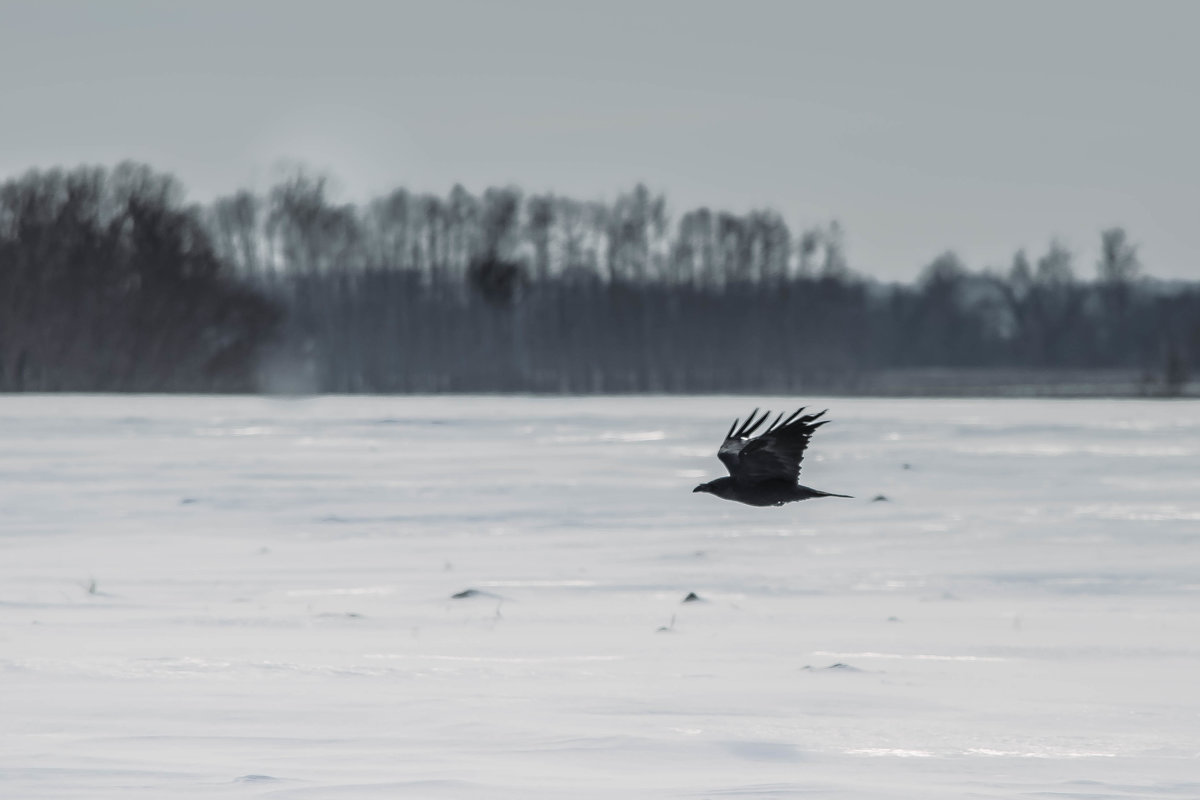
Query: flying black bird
point(764, 470)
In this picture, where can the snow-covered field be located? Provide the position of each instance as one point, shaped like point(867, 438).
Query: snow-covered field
point(252, 597)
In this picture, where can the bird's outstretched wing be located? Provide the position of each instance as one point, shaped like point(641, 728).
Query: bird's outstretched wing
point(775, 454)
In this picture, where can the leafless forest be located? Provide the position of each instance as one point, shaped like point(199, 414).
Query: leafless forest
point(109, 281)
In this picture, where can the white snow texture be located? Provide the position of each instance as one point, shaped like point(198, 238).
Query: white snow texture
point(253, 597)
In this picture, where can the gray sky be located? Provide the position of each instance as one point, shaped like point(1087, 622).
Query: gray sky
point(921, 126)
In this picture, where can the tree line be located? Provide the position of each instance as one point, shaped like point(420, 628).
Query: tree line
point(109, 281)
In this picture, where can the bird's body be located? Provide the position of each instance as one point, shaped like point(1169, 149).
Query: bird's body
point(767, 493)
point(764, 469)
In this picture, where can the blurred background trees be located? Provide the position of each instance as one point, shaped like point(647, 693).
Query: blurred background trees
point(109, 282)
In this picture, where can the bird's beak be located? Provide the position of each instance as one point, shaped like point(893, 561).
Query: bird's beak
point(699, 488)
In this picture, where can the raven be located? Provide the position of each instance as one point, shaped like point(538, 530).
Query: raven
point(764, 470)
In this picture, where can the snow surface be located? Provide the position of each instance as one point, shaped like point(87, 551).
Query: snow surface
point(252, 597)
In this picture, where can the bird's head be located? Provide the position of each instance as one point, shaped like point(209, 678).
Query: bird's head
point(704, 487)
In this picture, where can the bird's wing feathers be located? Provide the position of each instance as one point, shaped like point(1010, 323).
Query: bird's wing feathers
point(774, 454)
point(737, 438)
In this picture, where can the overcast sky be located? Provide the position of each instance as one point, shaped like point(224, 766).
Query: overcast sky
point(921, 126)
